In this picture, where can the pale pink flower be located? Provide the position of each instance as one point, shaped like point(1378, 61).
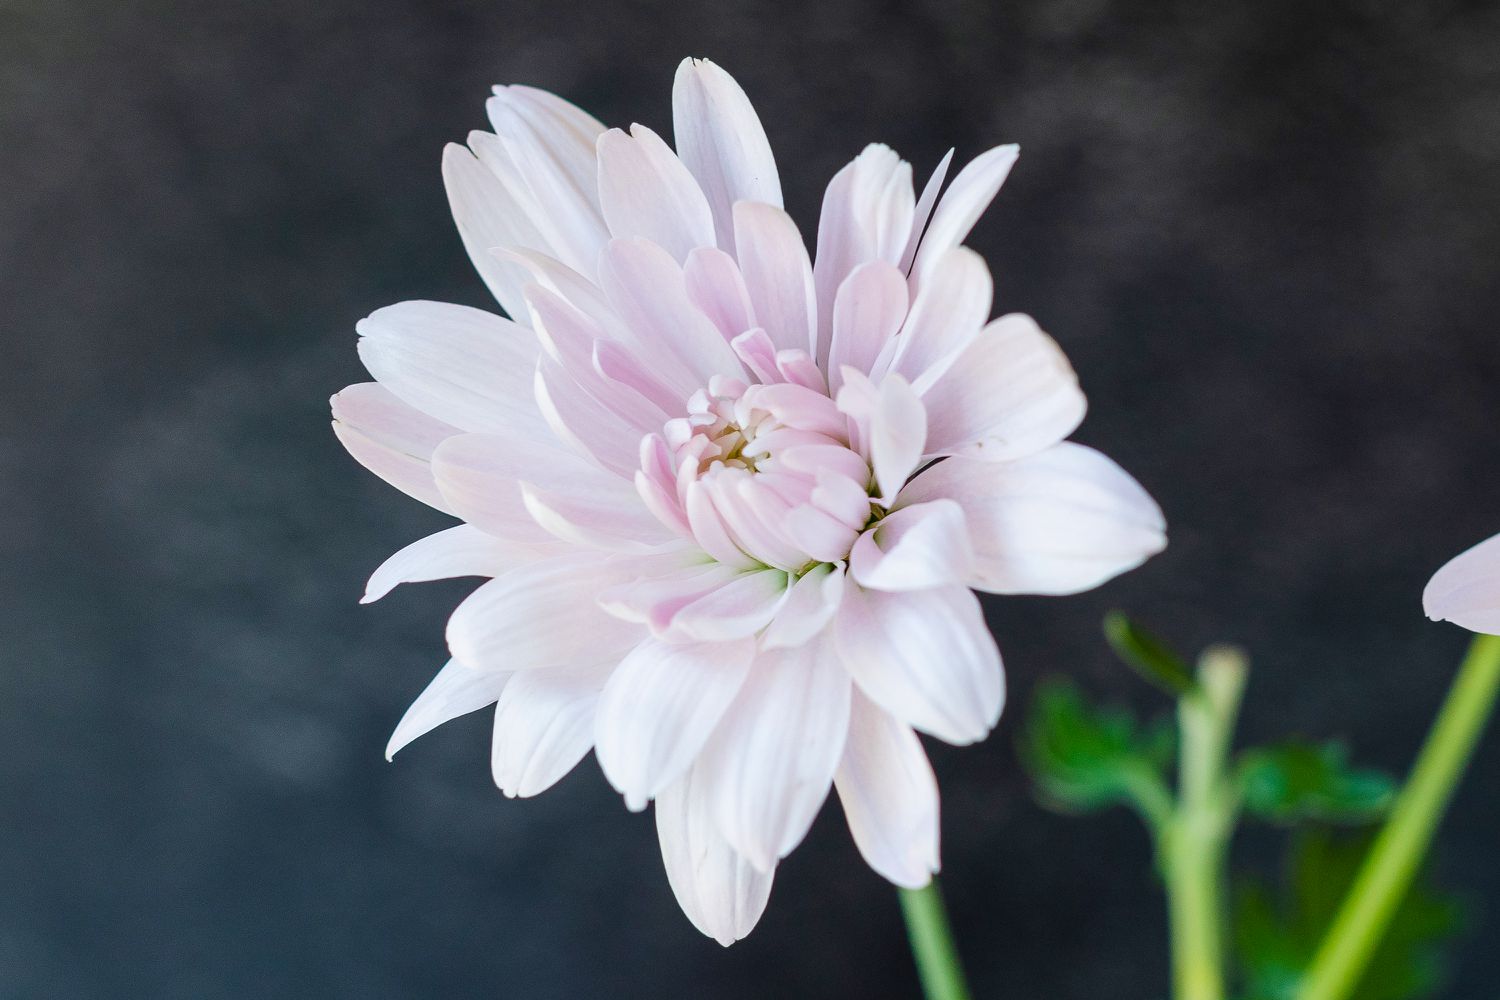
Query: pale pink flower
point(732, 497)
point(1466, 591)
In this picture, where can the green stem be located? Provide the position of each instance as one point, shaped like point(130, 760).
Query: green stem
point(1193, 843)
point(1403, 841)
point(932, 944)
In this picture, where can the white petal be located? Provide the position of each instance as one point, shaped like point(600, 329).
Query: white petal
point(868, 312)
point(721, 140)
point(1010, 393)
point(476, 474)
point(543, 615)
point(544, 724)
point(771, 761)
point(455, 691)
point(646, 192)
point(1466, 591)
point(810, 605)
point(488, 216)
point(660, 706)
point(721, 893)
point(391, 439)
point(653, 600)
point(926, 657)
point(898, 431)
point(778, 274)
point(925, 205)
point(1059, 522)
point(741, 607)
point(961, 206)
point(716, 287)
point(916, 547)
point(613, 519)
point(946, 315)
point(464, 366)
point(890, 796)
point(460, 551)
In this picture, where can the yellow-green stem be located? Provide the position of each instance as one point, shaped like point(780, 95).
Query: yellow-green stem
point(932, 944)
point(1403, 841)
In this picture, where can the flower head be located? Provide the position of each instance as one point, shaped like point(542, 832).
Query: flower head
point(732, 498)
point(1466, 591)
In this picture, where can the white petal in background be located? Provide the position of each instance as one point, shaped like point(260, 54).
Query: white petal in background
point(721, 892)
point(487, 217)
point(778, 275)
point(1059, 522)
point(544, 725)
point(961, 206)
point(1466, 591)
point(646, 192)
point(890, 796)
point(455, 691)
point(460, 551)
point(391, 439)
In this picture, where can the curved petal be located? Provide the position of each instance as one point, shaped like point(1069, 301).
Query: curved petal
point(1059, 522)
point(925, 205)
point(646, 192)
point(778, 275)
point(488, 216)
point(391, 439)
point(1466, 591)
point(868, 311)
point(464, 366)
point(926, 657)
point(890, 796)
point(771, 761)
point(613, 519)
point(455, 691)
point(721, 893)
point(721, 140)
point(544, 725)
point(949, 311)
point(810, 605)
point(916, 547)
point(716, 287)
point(961, 206)
point(460, 551)
point(738, 608)
point(1010, 393)
point(658, 709)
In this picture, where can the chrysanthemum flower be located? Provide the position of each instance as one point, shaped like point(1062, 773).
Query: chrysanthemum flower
point(732, 497)
point(1466, 591)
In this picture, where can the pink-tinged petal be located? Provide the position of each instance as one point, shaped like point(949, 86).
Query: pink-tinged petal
point(647, 289)
point(659, 708)
point(925, 205)
point(1466, 591)
point(739, 608)
point(1059, 522)
point(947, 314)
point(544, 725)
point(869, 310)
point(771, 760)
point(721, 893)
point(588, 426)
point(867, 215)
point(391, 439)
point(716, 287)
point(721, 140)
point(709, 529)
point(567, 285)
point(752, 515)
point(567, 128)
point(890, 796)
point(455, 691)
point(818, 534)
point(810, 605)
point(543, 616)
point(798, 367)
point(961, 206)
point(916, 547)
point(652, 600)
point(646, 192)
point(488, 216)
point(460, 551)
point(755, 349)
point(613, 519)
point(926, 657)
point(1010, 393)
point(898, 434)
point(820, 460)
point(846, 499)
point(464, 366)
point(477, 475)
point(773, 260)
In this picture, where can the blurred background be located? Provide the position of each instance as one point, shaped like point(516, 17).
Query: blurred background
point(1266, 234)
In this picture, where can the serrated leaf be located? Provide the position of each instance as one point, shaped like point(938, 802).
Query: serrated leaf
point(1148, 655)
point(1278, 930)
point(1298, 781)
point(1084, 758)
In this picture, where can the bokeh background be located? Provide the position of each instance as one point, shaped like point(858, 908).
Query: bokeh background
point(1267, 234)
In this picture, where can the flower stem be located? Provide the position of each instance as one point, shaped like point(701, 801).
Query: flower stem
point(1193, 842)
point(932, 943)
point(1403, 841)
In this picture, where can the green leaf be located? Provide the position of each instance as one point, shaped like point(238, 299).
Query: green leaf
point(1148, 656)
point(1084, 758)
point(1277, 930)
point(1298, 781)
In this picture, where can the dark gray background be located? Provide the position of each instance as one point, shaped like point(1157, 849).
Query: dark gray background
point(1267, 235)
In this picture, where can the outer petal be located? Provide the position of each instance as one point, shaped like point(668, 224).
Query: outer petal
point(659, 708)
point(771, 761)
point(488, 216)
point(868, 311)
point(924, 656)
point(890, 796)
point(721, 893)
point(778, 275)
point(1010, 393)
point(947, 313)
point(926, 545)
point(1466, 591)
point(544, 724)
point(646, 192)
point(720, 139)
point(455, 691)
point(464, 366)
point(460, 551)
point(391, 439)
point(962, 204)
point(1058, 522)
